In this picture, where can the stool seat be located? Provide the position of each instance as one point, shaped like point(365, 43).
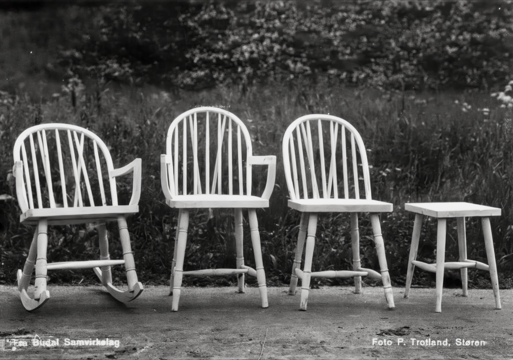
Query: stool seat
point(452, 209)
point(443, 211)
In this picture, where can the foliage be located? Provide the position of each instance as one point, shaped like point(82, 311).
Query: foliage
point(423, 147)
point(270, 62)
point(402, 45)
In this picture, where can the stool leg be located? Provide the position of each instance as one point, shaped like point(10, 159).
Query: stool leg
point(462, 245)
point(299, 252)
point(183, 226)
point(355, 245)
point(440, 262)
point(417, 227)
point(380, 249)
point(307, 271)
point(239, 248)
point(490, 254)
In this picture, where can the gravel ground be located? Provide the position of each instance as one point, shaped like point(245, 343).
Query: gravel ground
point(217, 323)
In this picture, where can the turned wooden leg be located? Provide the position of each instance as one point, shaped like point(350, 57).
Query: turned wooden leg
point(380, 250)
point(299, 252)
point(462, 249)
point(355, 245)
point(307, 271)
point(257, 250)
point(128, 256)
point(173, 262)
point(180, 255)
point(104, 254)
point(240, 250)
point(417, 227)
point(490, 254)
point(440, 262)
point(38, 249)
point(41, 263)
point(28, 268)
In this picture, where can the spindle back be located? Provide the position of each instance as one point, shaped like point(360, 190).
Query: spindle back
point(325, 158)
point(63, 165)
point(207, 149)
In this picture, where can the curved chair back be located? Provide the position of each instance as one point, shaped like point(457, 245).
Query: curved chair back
point(207, 151)
point(324, 157)
point(62, 165)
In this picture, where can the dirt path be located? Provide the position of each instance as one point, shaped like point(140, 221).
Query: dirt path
point(217, 323)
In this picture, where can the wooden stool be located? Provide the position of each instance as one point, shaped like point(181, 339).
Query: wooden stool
point(443, 211)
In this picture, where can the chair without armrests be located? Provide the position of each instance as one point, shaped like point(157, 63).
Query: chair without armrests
point(65, 176)
point(208, 165)
point(326, 170)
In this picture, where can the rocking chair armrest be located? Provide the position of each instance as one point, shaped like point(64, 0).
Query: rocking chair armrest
point(17, 172)
point(270, 161)
point(164, 181)
point(136, 167)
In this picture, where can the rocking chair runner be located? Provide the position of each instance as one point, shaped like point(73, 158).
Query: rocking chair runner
point(209, 165)
point(60, 172)
point(326, 170)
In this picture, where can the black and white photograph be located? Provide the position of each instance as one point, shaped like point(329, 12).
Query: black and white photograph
point(256, 179)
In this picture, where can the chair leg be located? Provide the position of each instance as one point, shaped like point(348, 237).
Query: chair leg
point(41, 263)
point(417, 228)
point(173, 262)
point(106, 273)
point(299, 252)
point(183, 226)
point(355, 245)
point(490, 254)
point(440, 262)
point(135, 288)
point(307, 271)
point(257, 250)
point(239, 248)
point(128, 255)
point(380, 249)
point(24, 276)
point(28, 268)
point(462, 249)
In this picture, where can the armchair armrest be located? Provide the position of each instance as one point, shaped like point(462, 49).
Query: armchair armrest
point(270, 161)
point(134, 166)
point(17, 172)
point(164, 181)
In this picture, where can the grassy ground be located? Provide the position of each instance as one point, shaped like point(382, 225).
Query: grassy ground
point(423, 147)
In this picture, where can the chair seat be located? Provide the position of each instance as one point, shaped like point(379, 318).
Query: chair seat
point(340, 205)
point(217, 201)
point(452, 209)
point(77, 215)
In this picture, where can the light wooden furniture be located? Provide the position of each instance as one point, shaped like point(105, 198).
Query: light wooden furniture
point(65, 176)
point(443, 211)
point(209, 164)
point(326, 170)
